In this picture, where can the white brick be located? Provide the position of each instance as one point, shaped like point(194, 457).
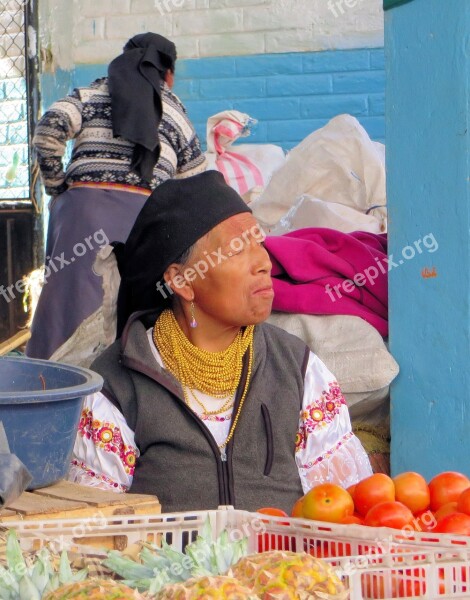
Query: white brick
point(142, 7)
point(12, 45)
point(11, 21)
point(232, 44)
point(233, 3)
point(206, 27)
point(296, 40)
point(92, 29)
point(100, 52)
point(12, 67)
point(161, 7)
point(207, 21)
point(93, 8)
point(186, 47)
point(350, 41)
point(267, 18)
point(127, 26)
point(369, 23)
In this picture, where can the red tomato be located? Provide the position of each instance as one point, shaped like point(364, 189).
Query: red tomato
point(454, 523)
point(447, 487)
point(408, 583)
point(327, 502)
point(389, 514)
point(372, 490)
point(297, 508)
point(328, 548)
point(447, 509)
point(273, 541)
point(351, 489)
point(352, 520)
point(412, 490)
point(424, 521)
point(412, 583)
point(454, 583)
point(374, 586)
point(463, 503)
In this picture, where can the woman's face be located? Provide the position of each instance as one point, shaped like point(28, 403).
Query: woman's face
point(232, 281)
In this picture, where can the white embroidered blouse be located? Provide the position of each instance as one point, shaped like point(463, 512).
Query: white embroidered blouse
point(326, 450)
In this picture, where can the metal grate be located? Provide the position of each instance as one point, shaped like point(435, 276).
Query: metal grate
point(14, 150)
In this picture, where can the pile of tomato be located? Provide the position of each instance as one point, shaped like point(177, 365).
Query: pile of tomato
point(406, 502)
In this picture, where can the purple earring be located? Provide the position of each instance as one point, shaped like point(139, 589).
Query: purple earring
point(193, 322)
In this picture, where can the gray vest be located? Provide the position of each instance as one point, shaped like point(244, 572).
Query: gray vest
point(179, 459)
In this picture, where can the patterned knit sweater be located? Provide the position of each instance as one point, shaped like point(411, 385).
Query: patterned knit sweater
point(97, 156)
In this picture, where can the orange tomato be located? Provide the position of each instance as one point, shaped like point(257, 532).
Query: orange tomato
point(297, 508)
point(273, 541)
point(327, 502)
point(447, 487)
point(372, 490)
point(454, 523)
point(412, 490)
point(463, 503)
point(389, 514)
point(447, 509)
point(274, 512)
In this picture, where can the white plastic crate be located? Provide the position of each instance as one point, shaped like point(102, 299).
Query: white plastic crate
point(373, 562)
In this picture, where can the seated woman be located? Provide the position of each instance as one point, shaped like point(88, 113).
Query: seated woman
point(203, 404)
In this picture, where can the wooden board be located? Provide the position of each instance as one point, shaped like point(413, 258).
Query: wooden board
point(15, 341)
point(66, 490)
point(66, 500)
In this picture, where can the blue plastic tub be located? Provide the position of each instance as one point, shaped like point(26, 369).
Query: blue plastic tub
point(40, 406)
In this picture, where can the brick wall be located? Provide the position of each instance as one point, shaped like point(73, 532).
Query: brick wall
point(291, 64)
point(93, 32)
point(14, 173)
point(291, 95)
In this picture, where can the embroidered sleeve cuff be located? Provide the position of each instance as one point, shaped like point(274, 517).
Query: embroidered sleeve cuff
point(82, 474)
point(344, 464)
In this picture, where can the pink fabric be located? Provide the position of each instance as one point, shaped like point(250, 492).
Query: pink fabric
point(307, 260)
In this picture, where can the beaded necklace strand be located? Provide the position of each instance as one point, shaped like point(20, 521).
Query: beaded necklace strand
point(216, 374)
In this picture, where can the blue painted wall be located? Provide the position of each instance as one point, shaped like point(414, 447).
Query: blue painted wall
point(291, 95)
point(428, 69)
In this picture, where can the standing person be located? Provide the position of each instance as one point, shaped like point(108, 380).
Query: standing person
point(131, 133)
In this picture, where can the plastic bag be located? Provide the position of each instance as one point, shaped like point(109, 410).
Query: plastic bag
point(14, 476)
point(339, 164)
point(318, 213)
point(246, 167)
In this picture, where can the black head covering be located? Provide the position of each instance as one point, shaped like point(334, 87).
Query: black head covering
point(135, 78)
point(176, 215)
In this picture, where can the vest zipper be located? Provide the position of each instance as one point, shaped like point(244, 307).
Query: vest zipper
point(222, 470)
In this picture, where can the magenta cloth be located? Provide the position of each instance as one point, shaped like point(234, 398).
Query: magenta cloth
point(307, 261)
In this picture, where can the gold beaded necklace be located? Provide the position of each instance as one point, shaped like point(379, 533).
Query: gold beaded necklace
point(217, 374)
point(228, 404)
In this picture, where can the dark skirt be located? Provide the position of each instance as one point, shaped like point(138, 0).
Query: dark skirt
point(82, 220)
